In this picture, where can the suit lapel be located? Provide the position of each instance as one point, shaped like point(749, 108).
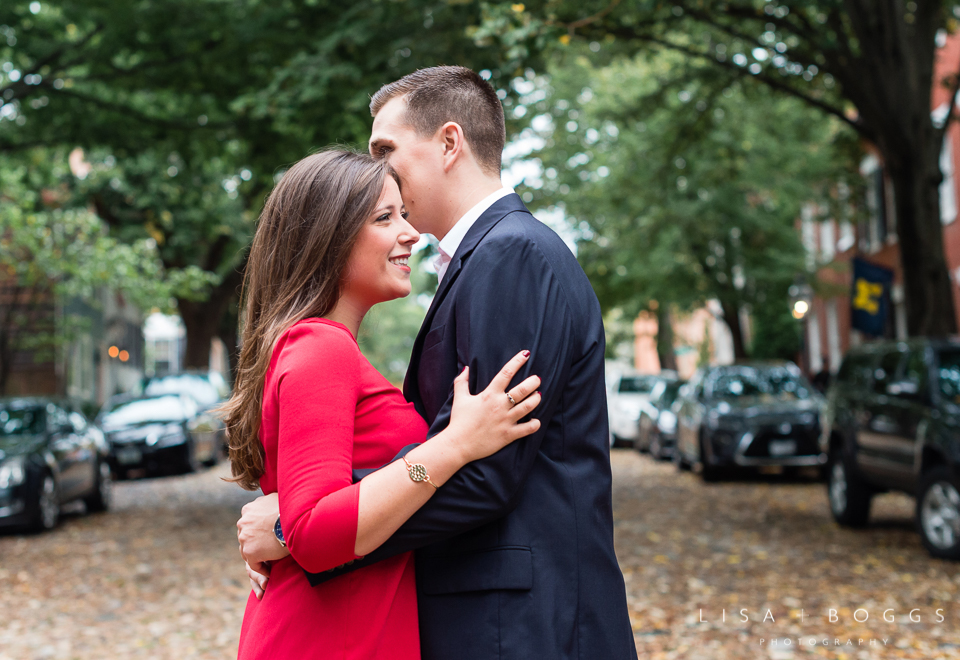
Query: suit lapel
point(487, 221)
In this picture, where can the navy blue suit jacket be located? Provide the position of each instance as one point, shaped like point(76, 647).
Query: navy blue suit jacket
point(515, 554)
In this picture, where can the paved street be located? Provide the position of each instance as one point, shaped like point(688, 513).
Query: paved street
point(159, 577)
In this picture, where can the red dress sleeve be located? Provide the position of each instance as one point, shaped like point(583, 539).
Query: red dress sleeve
point(317, 376)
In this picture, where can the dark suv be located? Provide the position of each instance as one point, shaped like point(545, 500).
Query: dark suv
point(893, 423)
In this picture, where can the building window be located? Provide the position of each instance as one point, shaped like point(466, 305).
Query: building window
point(833, 336)
point(828, 241)
point(814, 355)
point(948, 188)
point(847, 236)
point(809, 234)
point(875, 232)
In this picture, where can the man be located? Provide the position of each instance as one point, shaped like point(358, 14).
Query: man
point(515, 553)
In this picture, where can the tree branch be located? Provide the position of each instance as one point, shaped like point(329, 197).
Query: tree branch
point(766, 79)
point(590, 19)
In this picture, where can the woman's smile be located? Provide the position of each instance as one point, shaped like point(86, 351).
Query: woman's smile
point(400, 261)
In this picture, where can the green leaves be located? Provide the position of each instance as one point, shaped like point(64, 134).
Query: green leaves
point(53, 247)
point(686, 184)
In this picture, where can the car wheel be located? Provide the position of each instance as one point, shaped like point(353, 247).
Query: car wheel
point(938, 513)
point(708, 472)
point(656, 446)
point(216, 455)
point(46, 504)
point(849, 496)
point(102, 495)
point(642, 443)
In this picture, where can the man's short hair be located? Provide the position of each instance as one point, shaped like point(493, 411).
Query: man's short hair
point(440, 94)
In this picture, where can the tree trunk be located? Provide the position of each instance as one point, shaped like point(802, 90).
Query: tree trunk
point(228, 334)
point(890, 83)
point(203, 320)
point(6, 342)
point(732, 319)
point(927, 289)
point(665, 349)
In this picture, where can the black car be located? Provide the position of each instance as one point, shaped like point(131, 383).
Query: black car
point(892, 422)
point(208, 389)
point(748, 415)
point(166, 433)
point(50, 454)
point(658, 421)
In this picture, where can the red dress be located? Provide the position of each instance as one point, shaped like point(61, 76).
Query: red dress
point(326, 410)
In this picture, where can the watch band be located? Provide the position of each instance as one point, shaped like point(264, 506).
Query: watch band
point(418, 472)
point(278, 532)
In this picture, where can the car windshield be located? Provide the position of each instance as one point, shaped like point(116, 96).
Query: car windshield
point(145, 411)
point(202, 390)
point(751, 381)
point(949, 375)
point(637, 384)
point(22, 421)
point(670, 394)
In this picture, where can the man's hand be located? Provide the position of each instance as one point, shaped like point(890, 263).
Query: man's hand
point(258, 543)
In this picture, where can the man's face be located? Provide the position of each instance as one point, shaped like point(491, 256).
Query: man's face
point(417, 160)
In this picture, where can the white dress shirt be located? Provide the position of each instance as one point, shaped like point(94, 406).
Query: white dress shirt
point(448, 246)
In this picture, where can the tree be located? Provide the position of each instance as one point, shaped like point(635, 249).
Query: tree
point(867, 63)
point(198, 104)
point(54, 250)
point(685, 187)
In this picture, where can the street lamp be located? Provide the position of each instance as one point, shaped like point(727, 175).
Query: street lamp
point(800, 309)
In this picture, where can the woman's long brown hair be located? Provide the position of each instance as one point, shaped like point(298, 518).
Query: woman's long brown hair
point(306, 231)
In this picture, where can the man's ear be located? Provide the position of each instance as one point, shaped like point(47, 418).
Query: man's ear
point(454, 144)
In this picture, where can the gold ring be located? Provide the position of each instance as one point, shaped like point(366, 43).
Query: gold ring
point(512, 400)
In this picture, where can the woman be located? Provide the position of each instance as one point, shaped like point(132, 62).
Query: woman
point(333, 241)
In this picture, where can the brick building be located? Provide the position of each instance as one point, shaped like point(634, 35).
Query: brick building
point(98, 353)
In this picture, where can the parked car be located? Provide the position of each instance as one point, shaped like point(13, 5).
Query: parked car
point(50, 454)
point(892, 422)
point(160, 434)
point(748, 415)
point(627, 393)
point(658, 420)
point(208, 389)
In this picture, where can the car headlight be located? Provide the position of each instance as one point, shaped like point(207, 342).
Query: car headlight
point(667, 421)
point(13, 472)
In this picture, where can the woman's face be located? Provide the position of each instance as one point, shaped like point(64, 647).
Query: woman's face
point(377, 269)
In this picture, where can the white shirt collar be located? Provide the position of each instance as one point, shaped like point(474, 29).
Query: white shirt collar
point(448, 246)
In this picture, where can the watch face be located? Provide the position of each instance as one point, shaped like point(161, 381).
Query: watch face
point(278, 531)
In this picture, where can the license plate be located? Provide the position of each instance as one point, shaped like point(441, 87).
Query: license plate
point(129, 455)
point(782, 447)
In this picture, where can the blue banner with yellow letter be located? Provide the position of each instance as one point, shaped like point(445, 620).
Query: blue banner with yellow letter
point(870, 297)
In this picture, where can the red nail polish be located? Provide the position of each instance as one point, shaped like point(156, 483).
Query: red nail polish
point(538, 393)
point(526, 354)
